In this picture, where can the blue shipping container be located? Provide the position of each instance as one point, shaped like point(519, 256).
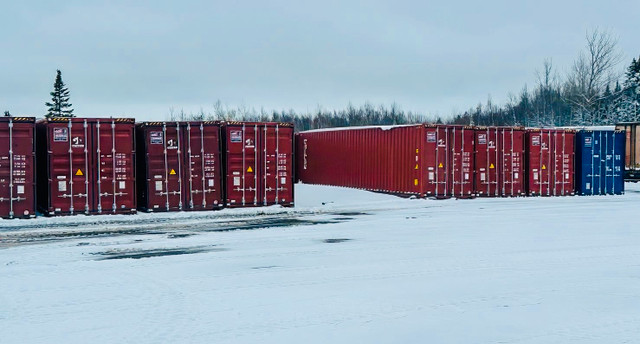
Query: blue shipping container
point(600, 162)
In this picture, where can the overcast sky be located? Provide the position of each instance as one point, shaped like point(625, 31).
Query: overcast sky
point(135, 58)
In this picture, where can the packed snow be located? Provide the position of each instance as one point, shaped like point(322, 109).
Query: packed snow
point(343, 266)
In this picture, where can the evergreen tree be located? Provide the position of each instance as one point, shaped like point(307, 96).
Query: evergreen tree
point(59, 106)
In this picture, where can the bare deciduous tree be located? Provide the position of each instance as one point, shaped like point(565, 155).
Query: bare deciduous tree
point(592, 71)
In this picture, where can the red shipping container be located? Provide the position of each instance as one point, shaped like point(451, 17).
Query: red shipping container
point(499, 162)
point(17, 175)
point(422, 160)
point(179, 166)
point(258, 163)
point(550, 162)
point(86, 165)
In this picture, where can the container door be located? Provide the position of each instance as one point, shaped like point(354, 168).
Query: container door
point(115, 167)
point(164, 188)
point(17, 198)
point(277, 165)
point(618, 162)
point(243, 161)
point(563, 172)
point(511, 155)
point(603, 163)
point(536, 153)
point(202, 166)
point(70, 167)
point(486, 160)
point(436, 161)
point(461, 168)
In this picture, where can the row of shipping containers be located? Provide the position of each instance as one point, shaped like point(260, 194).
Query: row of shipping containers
point(444, 161)
point(115, 166)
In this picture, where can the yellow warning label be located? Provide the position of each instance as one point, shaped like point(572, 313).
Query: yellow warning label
point(415, 182)
point(172, 171)
point(416, 166)
point(79, 173)
point(491, 166)
point(417, 150)
point(249, 169)
point(440, 166)
point(544, 167)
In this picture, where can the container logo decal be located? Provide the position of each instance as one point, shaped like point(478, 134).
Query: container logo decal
point(587, 142)
point(482, 139)
point(535, 140)
point(60, 134)
point(249, 143)
point(235, 136)
point(172, 144)
point(431, 137)
point(77, 142)
point(79, 173)
point(441, 143)
point(156, 138)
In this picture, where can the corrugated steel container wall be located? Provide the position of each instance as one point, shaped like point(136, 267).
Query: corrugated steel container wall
point(632, 150)
point(599, 162)
point(499, 162)
point(550, 162)
point(17, 167)
point(181, 166)
point(423, 160)
point(86, 165)
point(258, 160)
point(376, 159)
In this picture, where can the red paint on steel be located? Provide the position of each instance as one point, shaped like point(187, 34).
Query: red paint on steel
point(17, 175)
point(421, 160)
point(498, 161)
point(86, 165)
point(179, 166)
point(202, 169)
point(512, 155)
point(461, 149)
point(550, 162)
point(258, 163)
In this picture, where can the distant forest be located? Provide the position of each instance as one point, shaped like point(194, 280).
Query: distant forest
point(591, 93)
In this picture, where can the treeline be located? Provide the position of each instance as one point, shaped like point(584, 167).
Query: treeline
point(589, 94)
point(366, 114)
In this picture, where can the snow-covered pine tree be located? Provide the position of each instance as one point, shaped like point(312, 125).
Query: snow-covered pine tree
point(59, 105)
point(629, 107)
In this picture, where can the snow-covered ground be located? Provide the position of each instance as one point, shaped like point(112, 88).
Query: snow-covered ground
point(344, 266)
